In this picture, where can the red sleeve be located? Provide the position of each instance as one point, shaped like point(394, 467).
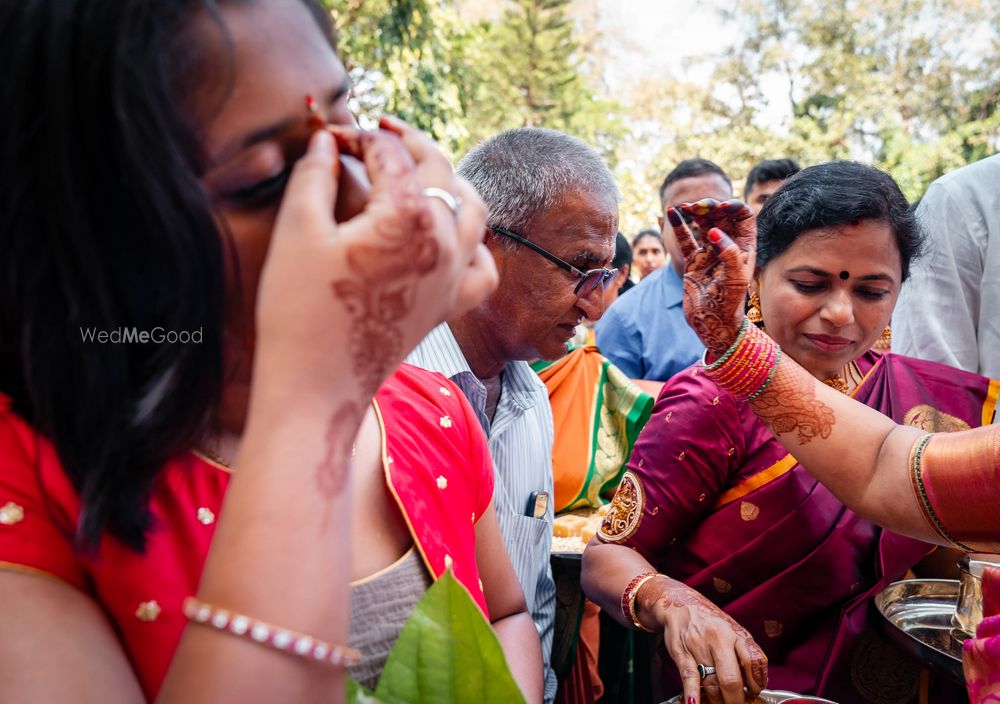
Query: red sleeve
point(480, 461)
point(681, 463)
point(38, 506)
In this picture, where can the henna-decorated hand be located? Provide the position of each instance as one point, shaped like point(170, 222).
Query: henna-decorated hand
point(696, 631)
point(340, 304)
point(353, 188)
point(717, 274)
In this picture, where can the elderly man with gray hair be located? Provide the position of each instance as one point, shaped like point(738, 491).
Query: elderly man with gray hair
point(553, 216)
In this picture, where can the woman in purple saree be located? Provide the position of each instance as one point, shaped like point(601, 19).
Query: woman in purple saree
point(713, 500)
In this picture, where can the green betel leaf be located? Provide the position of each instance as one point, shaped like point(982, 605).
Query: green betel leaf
point(356, 694)
point(447, 652)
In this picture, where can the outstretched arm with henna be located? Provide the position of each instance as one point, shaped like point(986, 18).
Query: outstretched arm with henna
point(876, 467)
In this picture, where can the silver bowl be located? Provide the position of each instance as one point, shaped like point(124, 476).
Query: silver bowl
point(773, 696)
point(969, 610)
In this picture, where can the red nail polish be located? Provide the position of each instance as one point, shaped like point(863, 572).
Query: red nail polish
point(691, 700)
point(715, 235)
point(311, 104)
point(392, 124)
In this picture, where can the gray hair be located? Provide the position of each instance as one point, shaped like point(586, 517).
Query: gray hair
point(523, 171)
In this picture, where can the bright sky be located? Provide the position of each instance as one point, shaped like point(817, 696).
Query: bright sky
point(646, 35)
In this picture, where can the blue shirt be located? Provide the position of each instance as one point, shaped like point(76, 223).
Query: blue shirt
point(520, 441)
point(644, 332)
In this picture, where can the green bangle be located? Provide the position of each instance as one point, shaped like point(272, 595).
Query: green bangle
point(925, 500)
point(729, 353)
point(763, 387)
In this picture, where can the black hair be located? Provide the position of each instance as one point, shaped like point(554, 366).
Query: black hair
point(833, 194)
point(770, 170)
point(623, 257)
point(692, 168)
point(647, 233)
point(104, 225)
point(623, 252)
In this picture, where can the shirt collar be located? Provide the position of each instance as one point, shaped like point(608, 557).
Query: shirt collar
point(440, 351)
point(520, 384)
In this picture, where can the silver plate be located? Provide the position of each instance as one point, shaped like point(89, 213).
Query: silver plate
point(918, 617)
point(772, 696)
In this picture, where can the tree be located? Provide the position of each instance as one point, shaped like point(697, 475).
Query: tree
point(912, 86)
point(404, 56)
point(461, 80)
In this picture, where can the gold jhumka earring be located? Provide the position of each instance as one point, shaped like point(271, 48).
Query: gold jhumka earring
point(885, 339)
point(753, 309)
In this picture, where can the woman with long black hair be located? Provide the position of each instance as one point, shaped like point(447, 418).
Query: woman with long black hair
point(203, 419)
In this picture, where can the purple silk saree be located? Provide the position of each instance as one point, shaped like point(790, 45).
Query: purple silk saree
point(711, 498)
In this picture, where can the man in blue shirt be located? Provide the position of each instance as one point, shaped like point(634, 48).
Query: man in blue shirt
point(644, 333)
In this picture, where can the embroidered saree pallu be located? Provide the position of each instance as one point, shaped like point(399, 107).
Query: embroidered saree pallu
point(598, 413)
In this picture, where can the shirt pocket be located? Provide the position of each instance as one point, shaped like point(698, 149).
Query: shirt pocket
point(528, 541)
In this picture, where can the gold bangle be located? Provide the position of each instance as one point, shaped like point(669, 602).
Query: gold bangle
point(917, 477)
point(628, 599)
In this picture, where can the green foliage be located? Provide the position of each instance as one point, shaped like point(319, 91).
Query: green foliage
point(538, 72)
point(912, 86)
point(401, 56)
point(446, 652)
point(462, 80)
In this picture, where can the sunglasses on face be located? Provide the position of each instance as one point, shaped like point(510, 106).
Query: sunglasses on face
point(588, 280)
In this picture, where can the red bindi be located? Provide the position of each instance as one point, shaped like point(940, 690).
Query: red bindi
point(316, 121)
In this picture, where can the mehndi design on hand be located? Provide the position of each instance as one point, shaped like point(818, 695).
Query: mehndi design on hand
point(403, 250)
point(683, 644)
point(714, 292)
point(714, 288)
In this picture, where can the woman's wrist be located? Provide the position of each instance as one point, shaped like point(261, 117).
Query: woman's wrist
point(288, 418)
point(649, 601)
point(713, 359)
point(628, 603)
point(317, 377)
point(747, 367)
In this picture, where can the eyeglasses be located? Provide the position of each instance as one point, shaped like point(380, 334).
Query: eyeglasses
point(589, 280)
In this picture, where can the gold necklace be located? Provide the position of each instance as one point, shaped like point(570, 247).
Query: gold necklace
point(839, 383)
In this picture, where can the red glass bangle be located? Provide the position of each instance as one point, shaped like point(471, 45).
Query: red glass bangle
point(628, 599)
point(746, 369)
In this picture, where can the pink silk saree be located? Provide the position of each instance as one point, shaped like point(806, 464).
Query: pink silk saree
point(981, 657)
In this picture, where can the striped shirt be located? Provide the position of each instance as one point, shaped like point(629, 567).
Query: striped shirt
point(520, 442)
